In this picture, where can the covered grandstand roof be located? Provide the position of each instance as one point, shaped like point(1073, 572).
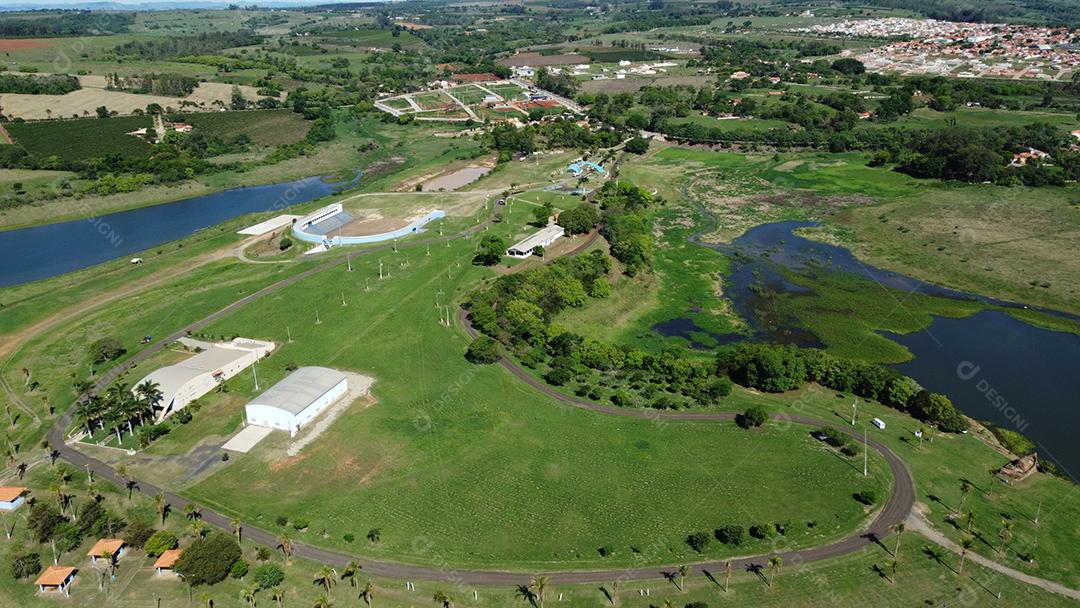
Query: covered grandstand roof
point(299, 389)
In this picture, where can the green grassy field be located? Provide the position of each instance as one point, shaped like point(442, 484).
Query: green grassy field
point(455, 452)
point(374, 38)
point(74, 140)
point(264, 127)
point(851, 580)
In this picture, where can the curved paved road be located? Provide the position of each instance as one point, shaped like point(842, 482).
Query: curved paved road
point(894, 511)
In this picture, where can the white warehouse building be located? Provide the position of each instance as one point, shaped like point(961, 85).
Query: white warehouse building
point(297, 399)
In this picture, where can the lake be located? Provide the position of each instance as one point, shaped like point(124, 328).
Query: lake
point(40, 252)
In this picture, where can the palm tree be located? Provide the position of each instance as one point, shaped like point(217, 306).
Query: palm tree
point(162, 506)
point(150, 395)
point(539, 584)
point(192, 511)
point(775, 564)
point(248, 595)
point(727, 576)
point(683, 571)
point(443, 598)
point(965, 488)
point(350, 572)
point(326, 577)
point(965, 546)
point(367, 592)
point(970, 520)
point(374, 535)
point(278, 595)
point(1006, 534)
point(286, 545)
point(898, 529)
point(323, 601)
point(993, 471)
point(236, 528)
point(197, 528)
point(894, 565)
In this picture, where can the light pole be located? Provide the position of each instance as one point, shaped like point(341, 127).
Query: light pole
point(854, 411)
point(255, 376)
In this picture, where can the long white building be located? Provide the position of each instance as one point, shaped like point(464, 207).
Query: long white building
point(542, 238)
point(184, 382)
point(297, 399)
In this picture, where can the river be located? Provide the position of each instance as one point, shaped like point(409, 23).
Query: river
point(993, 366)
point(40, 252)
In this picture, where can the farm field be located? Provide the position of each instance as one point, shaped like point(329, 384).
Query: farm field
point(74, 140)
point(83, 102)
point(373, 38)
point(263, 127)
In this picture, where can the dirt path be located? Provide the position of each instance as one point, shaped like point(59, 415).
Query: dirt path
point(6, 136)
point(918, 523)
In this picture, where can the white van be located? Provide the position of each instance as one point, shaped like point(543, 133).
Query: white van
point(878, 422)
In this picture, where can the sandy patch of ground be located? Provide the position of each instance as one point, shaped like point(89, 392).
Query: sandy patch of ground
point(419, 180)
point(458, 179)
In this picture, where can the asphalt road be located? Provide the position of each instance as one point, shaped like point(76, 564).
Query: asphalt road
point(895, 510)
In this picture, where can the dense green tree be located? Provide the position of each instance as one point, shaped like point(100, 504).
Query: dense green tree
point(208, 560)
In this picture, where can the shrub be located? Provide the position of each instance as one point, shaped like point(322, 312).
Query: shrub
point(348, 537)
point(866, 497)
point(697, 605)
point(263, 554)
point(483, 350)
point(138, 533)
point(284, 243)
point(239, 569)
point(833, 436)
point(764, 530)
point(23, 563)
point(605, 551)
point(208, 560)
point(268, 576)
point(730, 535)
point(160, 542)
point(183, 416)
point(281, 520)
point(754, 416)
point(300, 523)
point(698, 541)
point(43, 520)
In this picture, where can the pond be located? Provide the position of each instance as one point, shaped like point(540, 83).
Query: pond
point(993, 366)
point(40, 252)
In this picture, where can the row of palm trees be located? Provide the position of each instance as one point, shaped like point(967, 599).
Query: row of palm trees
point(118, 408)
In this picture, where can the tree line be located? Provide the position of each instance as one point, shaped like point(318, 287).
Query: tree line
point(34, 84)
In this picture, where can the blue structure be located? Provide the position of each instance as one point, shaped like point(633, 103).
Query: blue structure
point(311, 227)
point(579, 167)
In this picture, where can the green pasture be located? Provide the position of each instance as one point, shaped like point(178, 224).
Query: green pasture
point(74, 140)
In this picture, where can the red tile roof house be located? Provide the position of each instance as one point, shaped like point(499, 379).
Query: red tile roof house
point(114, 547)
point(164, 564)
point(56, 579)
point(11, 497)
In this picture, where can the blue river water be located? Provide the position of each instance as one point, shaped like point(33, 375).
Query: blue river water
point(993, 366)
point(40, 252)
